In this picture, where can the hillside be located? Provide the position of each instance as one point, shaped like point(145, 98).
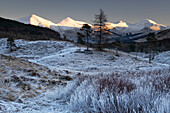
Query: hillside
point(10, 28)
point(165, 34)
point(21, 80)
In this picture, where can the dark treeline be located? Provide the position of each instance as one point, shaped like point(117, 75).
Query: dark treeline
point(159, 45)
point(17, 30)
point(159, 42)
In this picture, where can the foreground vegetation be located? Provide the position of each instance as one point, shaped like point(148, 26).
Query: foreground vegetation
point(122, 92)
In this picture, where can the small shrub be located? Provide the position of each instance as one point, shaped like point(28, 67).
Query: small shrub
point(162, 84)
point(115, 85)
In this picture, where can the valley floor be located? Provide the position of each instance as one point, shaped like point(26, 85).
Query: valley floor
point(68, 59)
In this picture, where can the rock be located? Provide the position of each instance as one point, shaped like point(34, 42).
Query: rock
point(65, 78)
point(88, 52)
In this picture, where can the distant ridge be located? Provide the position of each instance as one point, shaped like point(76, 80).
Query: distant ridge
point(145, 25)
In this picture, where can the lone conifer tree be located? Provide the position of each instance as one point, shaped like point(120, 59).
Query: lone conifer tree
point(87, 31)
point(11, 44)
point(151, 44)
point(100, 28)
point(79, 38)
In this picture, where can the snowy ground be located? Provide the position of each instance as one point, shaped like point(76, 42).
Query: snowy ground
point(21, 80)
point(64, 58)
point(162, 57)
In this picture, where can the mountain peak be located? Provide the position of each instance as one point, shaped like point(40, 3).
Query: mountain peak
point(151, 21)
point(36, 20)
point(148, 21)
point(35, 15)
point(71, 23)
point(120, 22)
point(30, 16)
point(68, 19)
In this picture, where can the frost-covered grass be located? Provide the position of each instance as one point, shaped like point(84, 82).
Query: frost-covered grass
point(163, 57)
point(117, 93)
point(160, 57)
point(93, 64)
point(34, 49)
point(103, 82)
point(20, 79)
point(63, 57)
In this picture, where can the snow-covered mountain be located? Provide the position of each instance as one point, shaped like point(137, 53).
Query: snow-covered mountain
point(168, 27)
point(69, 22)
point(144, 26)
point(36, 20)
point(120, 27)
point(147, 23)
point(66, 24)
point(117, 24)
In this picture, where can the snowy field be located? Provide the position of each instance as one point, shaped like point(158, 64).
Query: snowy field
point(80, 95)
point(160, 57)
point(163, 58)
point(64, 57)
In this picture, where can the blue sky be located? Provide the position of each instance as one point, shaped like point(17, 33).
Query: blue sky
point(55, 10)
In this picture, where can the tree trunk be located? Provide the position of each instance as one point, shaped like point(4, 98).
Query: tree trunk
point(100, 40)
point(87, 41)
point(150, 52)
point(117, 52)
point(136, 50)
point(153, 55)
